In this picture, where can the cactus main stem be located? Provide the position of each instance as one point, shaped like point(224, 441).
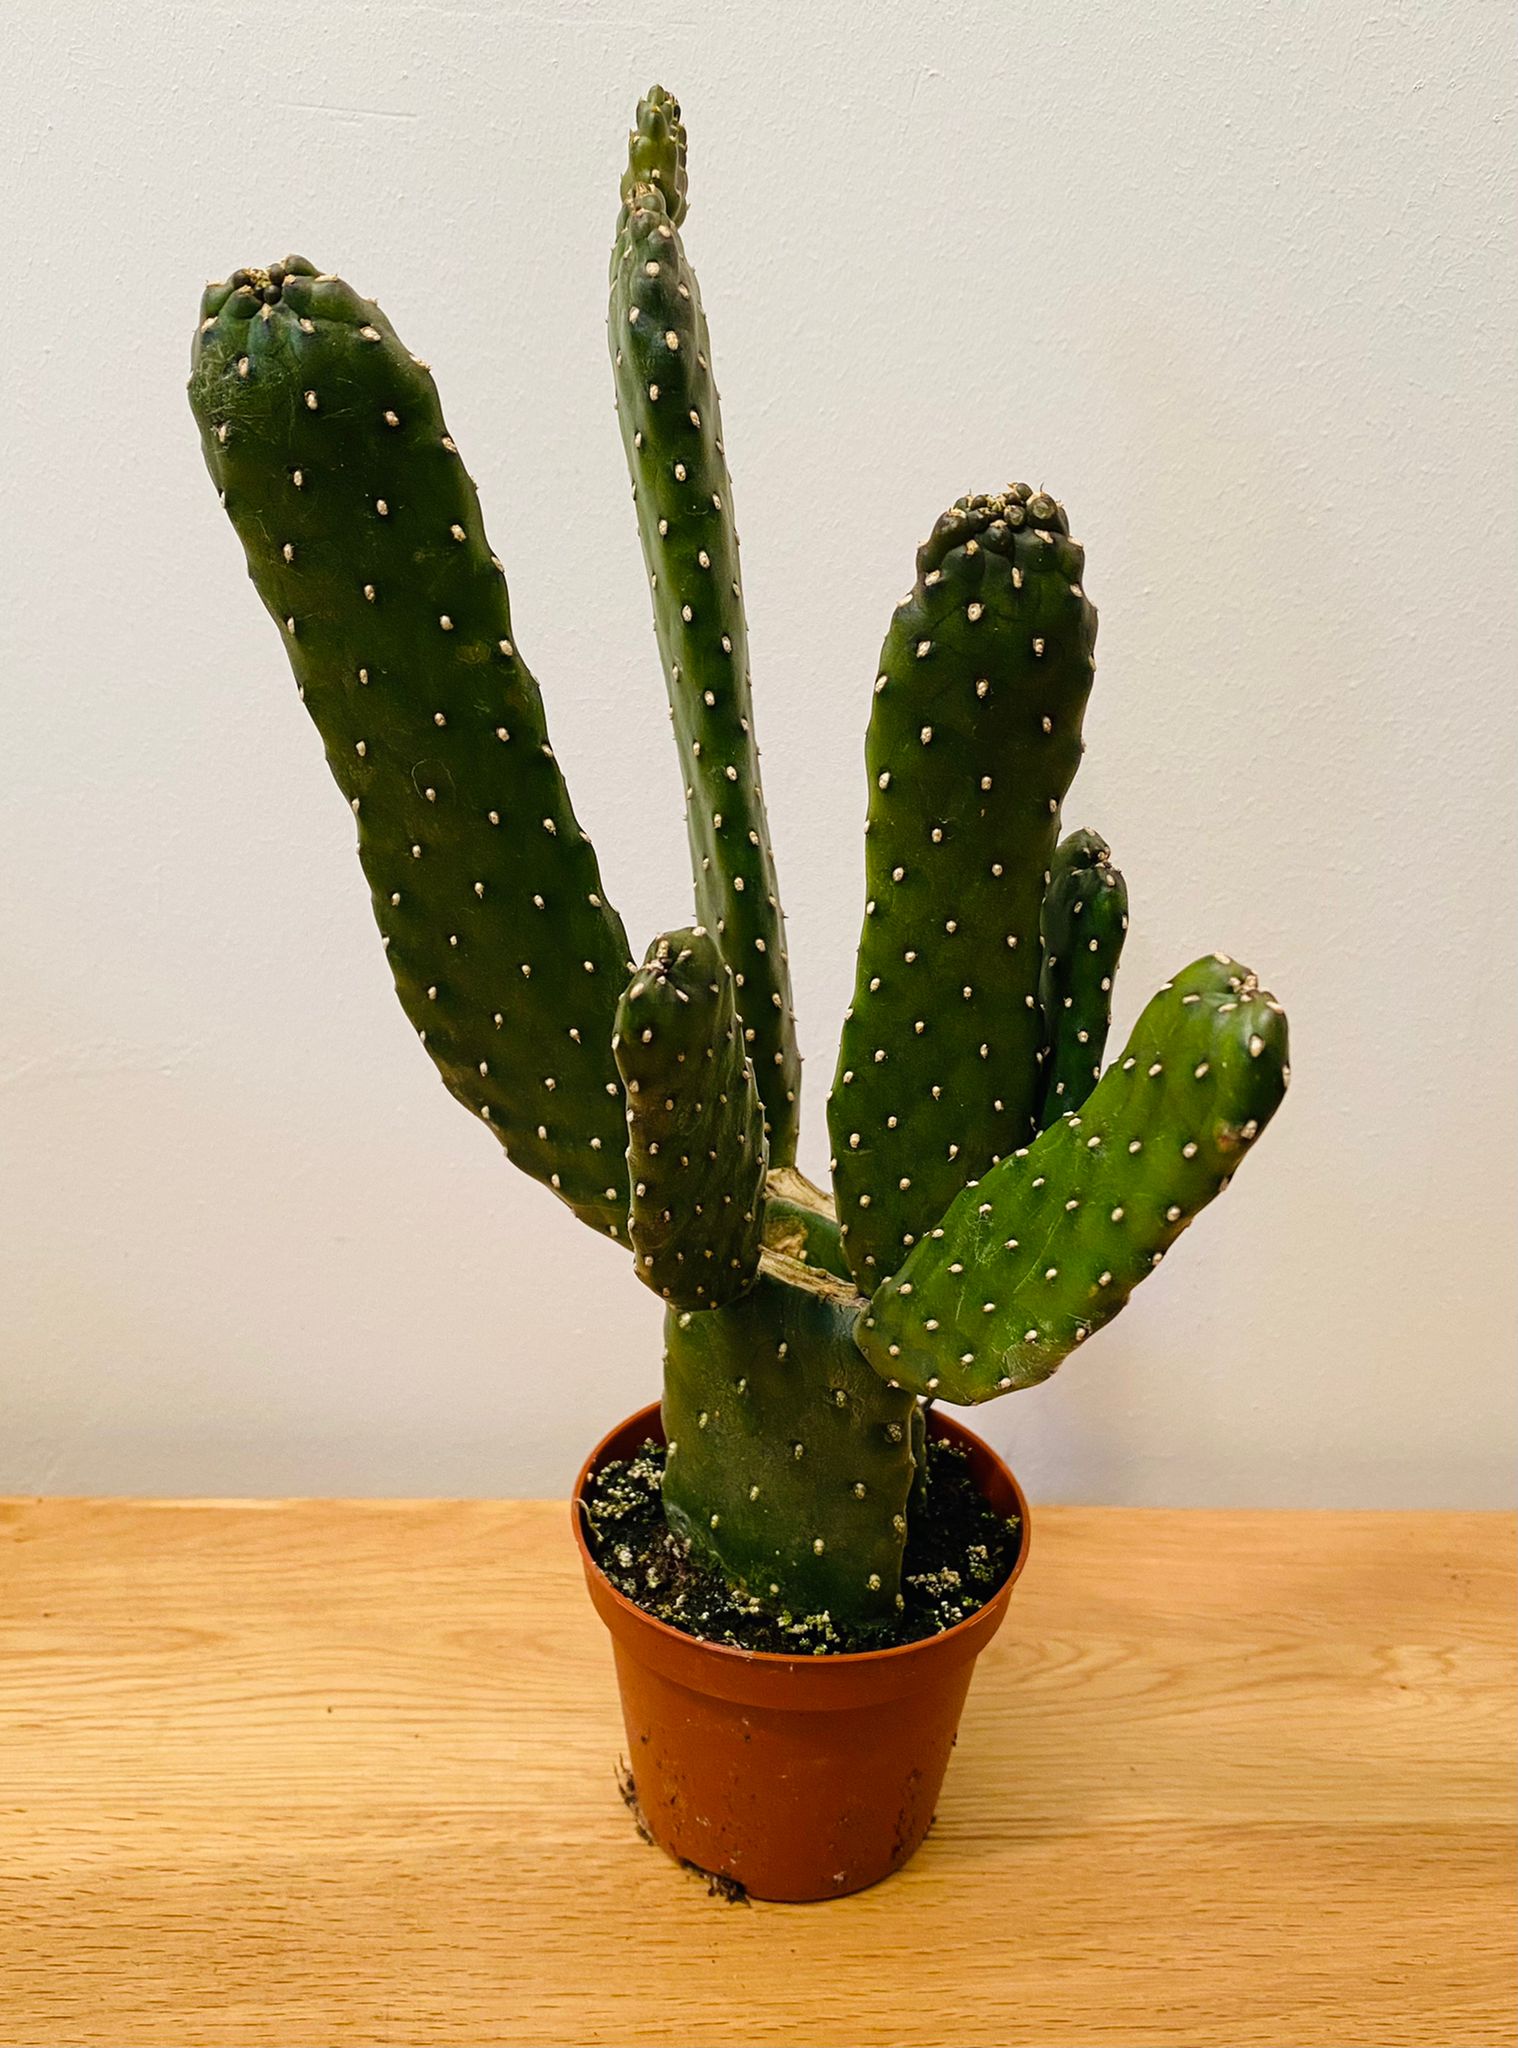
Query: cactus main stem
point(672, 432)
point(790, 1462)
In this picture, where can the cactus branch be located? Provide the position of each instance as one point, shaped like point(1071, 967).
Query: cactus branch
point(974, 737)
point(364, 539)
point(695, 1152)
point(1082, 927)
point(1050, 1244)
point(672, 431)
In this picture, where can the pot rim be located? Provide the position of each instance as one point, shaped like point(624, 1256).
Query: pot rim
point(943, 1644)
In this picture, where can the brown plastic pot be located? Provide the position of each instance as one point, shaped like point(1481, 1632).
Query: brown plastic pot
point(800, 1777)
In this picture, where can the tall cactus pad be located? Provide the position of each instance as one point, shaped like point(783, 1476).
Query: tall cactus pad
point(695, 1130)
point(364, 539)
point(789, 1461)
point(973, 740)
point(1083, 925)
point(1053, 1241)
point(667, 406)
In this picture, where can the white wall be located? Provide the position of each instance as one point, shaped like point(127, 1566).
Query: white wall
point(1229, 279)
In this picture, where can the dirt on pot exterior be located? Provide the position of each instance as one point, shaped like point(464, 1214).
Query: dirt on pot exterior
point(958, 1553)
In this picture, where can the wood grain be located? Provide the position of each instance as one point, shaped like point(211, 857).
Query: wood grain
point(342, 1772)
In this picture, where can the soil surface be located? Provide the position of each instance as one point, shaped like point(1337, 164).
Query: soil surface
point(958, 1552)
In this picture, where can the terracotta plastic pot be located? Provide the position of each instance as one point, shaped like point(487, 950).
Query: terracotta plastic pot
point(800, 1777)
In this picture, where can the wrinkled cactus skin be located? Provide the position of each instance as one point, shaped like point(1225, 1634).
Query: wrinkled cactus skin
point(996, 1196)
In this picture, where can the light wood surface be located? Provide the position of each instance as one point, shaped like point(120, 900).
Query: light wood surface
point(319, 1773)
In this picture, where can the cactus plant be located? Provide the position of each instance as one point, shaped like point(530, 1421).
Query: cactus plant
point(995, 1196)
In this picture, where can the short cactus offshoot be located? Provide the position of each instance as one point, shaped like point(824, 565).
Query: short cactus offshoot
point(996, 1196)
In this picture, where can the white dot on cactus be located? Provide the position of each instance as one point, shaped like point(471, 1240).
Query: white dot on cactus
point(1188, 1150)
point(1117, 1214)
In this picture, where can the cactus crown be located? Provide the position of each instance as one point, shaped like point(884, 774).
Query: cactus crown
point(996, 1194)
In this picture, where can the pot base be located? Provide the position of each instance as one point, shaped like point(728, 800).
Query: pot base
point(796, 1777)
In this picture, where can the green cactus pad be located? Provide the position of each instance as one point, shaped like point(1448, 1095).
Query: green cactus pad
point(1051, 1243)
point(364, 539)
point(1082, 927)
point(667, 406)
point(973, 739)
point(695, 1130)
point(789, 1461)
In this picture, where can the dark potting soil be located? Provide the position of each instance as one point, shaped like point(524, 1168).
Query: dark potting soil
point(958, 1552)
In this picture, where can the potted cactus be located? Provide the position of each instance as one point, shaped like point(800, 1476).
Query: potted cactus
point(996, 1195)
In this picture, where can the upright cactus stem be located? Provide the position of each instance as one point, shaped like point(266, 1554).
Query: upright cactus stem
point(974, 736)
point(1082, 928)
point(364, 539)
point(672, 432)
point(996, 1196)
point(790, 1461)
point(695, 1131)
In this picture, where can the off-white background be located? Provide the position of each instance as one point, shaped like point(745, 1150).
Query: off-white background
point(1229, 279)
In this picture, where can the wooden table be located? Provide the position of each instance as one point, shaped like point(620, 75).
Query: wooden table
point(344, 1772)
